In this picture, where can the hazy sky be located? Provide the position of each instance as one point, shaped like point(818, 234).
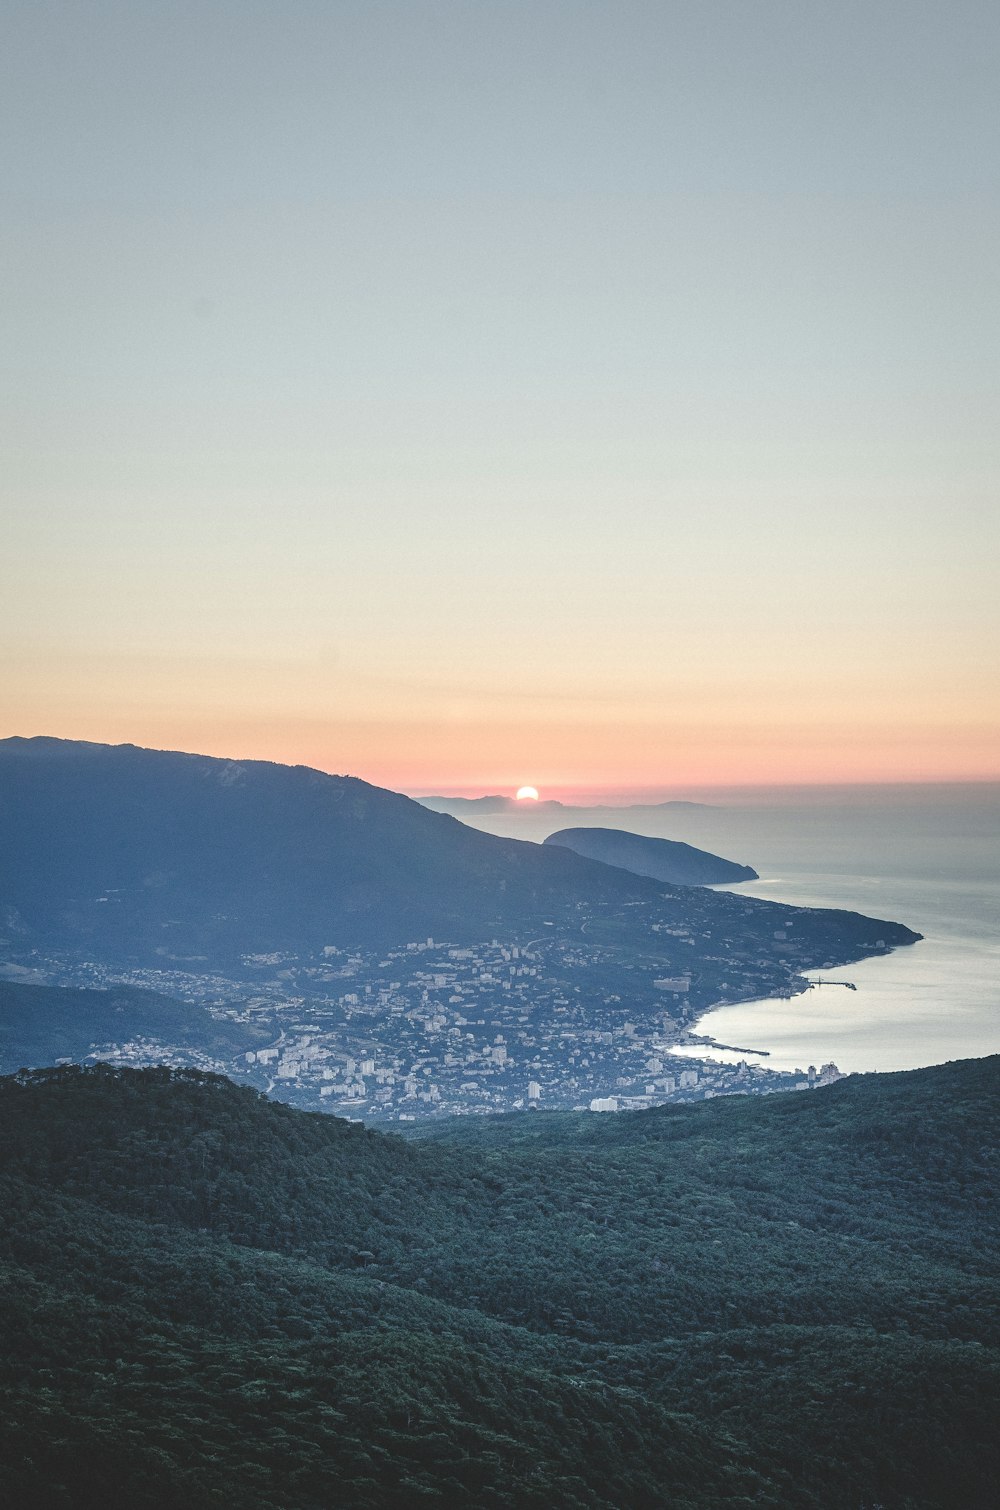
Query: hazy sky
point(471, 394)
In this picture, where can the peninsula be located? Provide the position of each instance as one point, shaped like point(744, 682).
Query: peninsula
point(662, 859)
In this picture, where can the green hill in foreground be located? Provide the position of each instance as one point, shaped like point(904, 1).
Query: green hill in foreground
point(215, 1300)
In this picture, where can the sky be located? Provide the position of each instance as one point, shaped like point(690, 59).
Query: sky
point(595, 395)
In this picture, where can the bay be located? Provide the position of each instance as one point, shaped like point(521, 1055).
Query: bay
point(926, 856)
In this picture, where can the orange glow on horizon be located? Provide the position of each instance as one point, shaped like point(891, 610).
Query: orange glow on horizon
point(423, 758)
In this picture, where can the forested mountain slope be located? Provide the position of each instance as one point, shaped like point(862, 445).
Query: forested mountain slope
point(161, 857)
point(215, 1299)
point(146, 849)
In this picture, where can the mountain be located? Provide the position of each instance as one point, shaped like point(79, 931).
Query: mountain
point(460, 807)
point(153, 852)
point(154, 856)
point(662, 859)
point(211, 1299)
point(482, 807)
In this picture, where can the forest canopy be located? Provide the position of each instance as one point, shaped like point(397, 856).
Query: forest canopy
point(215, 1299)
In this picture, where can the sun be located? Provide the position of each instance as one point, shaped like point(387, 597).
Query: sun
point(527, 794)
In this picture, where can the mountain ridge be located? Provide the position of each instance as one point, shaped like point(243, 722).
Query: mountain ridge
point(494, 803)
point(157, 854)
point(184, 835)
point(669, 860)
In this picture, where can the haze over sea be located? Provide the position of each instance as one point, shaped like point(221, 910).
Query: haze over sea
point(926, 856)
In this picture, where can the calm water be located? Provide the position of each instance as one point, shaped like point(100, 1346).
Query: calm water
point(928, 857)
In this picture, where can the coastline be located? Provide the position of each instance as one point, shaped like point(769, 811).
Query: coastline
point(706, 1046)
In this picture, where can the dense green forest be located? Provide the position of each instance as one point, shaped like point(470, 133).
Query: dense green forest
point(210, 1299)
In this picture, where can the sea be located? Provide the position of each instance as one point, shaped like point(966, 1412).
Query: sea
point(927, 856)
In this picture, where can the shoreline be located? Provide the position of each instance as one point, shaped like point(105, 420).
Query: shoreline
point(691, 1039)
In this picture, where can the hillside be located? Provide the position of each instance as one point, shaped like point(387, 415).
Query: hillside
point(667, 860)
point(42, 1024)
point(154, 856)
point(214, 1299)
point(146, 851)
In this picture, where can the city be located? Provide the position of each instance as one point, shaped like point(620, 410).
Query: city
point(436, 1029)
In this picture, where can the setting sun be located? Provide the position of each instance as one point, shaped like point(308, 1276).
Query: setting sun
point(527, 794)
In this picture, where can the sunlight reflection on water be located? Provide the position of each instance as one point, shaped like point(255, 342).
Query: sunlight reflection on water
point(926, 858)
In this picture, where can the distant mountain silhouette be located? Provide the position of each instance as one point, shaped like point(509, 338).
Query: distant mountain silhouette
point(150, 852)
point(483, 807)
point(662, 859)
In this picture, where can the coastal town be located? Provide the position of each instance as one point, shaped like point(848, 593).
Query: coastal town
point(438, 1029)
